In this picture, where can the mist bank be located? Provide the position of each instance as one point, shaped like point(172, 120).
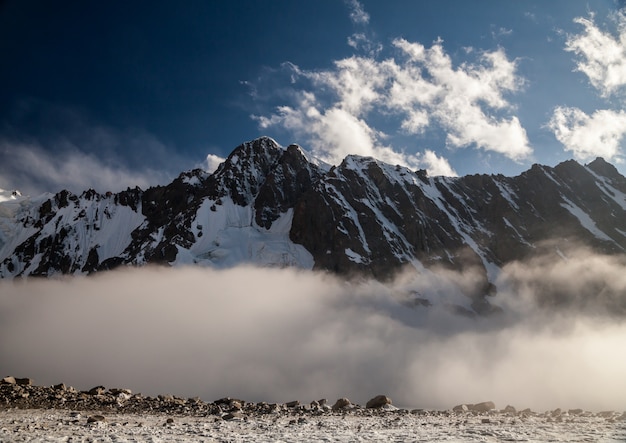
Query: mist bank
point(277, 335)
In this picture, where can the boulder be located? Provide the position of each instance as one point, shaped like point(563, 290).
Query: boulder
point(460, 408)
point(510, 409)
point(292, 404)
point(235, 405)
point(97, 390)
point(8, 381)
point(95, 418)
point(235, 415)
point(24, 381)
point(485, 406)
point(378, 402)
point(341, 403)
point(118, 391)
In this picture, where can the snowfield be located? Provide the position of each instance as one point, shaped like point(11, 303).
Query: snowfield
point(34, 425)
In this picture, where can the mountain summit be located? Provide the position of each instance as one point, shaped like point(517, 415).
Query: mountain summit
point(272, 206)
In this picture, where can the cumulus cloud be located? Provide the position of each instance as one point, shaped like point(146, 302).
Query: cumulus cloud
point(436, 165)
point(212, 162)
point(461, 97)
point(279, 335)
point(601, 55)
point(338, 111)
point(34, 170)
point(589, 136)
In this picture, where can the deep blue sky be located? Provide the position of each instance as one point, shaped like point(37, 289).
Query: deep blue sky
point(113, 94)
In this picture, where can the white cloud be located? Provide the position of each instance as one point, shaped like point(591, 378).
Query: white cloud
point(357, 13)
point(601, 55)
point(339, 111)
point(590, 136)
point(212, 162)
point(358, 83)
point(460, 99)
point(436, 165)
point(332, 133)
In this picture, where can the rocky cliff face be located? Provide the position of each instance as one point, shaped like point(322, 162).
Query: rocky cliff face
point(273, 206)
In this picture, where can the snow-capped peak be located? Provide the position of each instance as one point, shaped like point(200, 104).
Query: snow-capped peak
point(9, 195)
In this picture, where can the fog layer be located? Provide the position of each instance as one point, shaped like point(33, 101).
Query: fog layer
point(279, 335)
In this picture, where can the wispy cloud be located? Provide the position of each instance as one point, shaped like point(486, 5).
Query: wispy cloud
point(34, 170)
point(499, 32)
point(72, 151)
point(358, 15)
point(364, 44)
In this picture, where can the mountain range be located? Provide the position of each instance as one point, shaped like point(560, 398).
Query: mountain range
point(273, 206)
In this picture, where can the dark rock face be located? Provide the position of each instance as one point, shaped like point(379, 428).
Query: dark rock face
point(360, 217)
point(291, 177)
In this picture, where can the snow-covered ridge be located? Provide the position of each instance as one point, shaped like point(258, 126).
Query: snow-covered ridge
point(275, 206)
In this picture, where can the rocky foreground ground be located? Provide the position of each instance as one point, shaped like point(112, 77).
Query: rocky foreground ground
point(56, 413)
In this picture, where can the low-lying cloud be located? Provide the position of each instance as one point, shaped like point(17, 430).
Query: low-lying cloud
point(279, 335)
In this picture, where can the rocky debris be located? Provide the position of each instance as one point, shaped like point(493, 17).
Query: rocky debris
point(123, 401)
point(378, 402)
